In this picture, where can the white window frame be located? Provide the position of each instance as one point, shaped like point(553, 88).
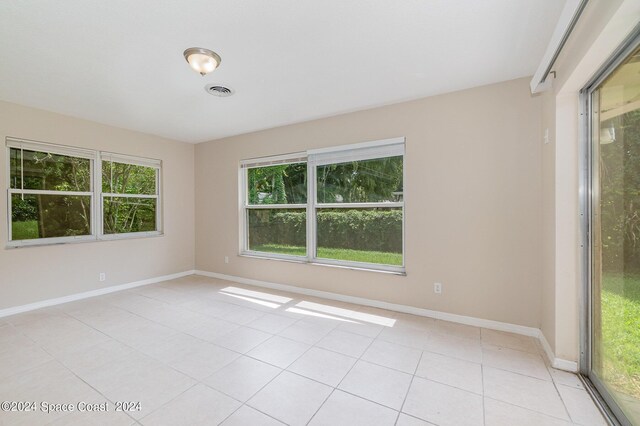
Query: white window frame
point(96, 158)
point(136, 161)
point(245, 207)
point(25, 145)
point(341, 154)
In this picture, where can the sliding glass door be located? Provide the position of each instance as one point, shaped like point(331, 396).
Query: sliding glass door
point(614, 234)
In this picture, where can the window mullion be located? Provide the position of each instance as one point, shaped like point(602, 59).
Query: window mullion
point(22, 171)
point(49, 192)
point(9, 216)
point(116, 195)
point(311, 211)
point(244, 216)
point(92, 188)
point(275, 206)
point(159, 211)
point(360, 205)
point(97, 197)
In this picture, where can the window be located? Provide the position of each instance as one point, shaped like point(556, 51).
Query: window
point(611, 196)
point(342, 206)
point(55, 195)
point(129, 196)
point(50, 194)
point(276, 208)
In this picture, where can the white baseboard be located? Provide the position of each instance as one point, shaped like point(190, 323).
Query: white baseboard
point(87, 294)
point(558, 363)
point(566, 365)
point(462, 319)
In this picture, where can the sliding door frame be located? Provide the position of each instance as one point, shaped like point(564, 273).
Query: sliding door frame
point(589, 196)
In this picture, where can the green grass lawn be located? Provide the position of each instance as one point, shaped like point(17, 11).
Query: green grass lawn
point(24, 230)
point(383, 258)
point(621, 332)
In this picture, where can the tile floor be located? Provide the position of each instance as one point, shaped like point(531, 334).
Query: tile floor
point(201, 351)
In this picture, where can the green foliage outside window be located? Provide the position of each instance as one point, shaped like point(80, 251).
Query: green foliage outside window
point(283, 184)
point(620, 239)
point(128, 214)
point(122, 178)
point(364, 234)
point(62, 214)
point(367, 181)
point(620, 196)
point(48, 216)
point(51, 172)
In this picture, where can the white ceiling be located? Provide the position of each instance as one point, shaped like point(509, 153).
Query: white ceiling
point(120, 62)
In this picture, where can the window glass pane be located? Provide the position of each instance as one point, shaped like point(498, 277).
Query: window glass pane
point(49, 216)
point(372, 181)
point(51, 172)
point(15, 168)
point(615, 233)
point(127, 214)
point(283, 184)
point(121, 178)
point(278, 231)
point(371, 235)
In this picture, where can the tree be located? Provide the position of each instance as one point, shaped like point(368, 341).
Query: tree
point(56, 215)
point(282, 184)
point(361, 181)
point(128, 214)
point(620, 195)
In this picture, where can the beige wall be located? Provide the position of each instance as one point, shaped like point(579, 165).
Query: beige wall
point(38, 273)
point(473, 202)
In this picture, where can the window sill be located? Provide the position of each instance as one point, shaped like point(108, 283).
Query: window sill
point(130, 236)
point(80, 240)
point(318, 262)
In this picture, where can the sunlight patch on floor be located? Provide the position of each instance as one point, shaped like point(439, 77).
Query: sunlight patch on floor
point(348, 313)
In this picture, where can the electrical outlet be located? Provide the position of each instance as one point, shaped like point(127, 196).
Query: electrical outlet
point(437, 288)
point(102, 276)
point(226, 259)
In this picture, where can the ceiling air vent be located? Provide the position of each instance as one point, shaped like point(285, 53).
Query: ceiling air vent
point(219, 91)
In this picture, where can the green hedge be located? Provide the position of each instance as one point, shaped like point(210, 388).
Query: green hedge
point(378, 230)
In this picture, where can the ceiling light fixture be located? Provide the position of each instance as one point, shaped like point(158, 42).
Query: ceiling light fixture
point(202, 60)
